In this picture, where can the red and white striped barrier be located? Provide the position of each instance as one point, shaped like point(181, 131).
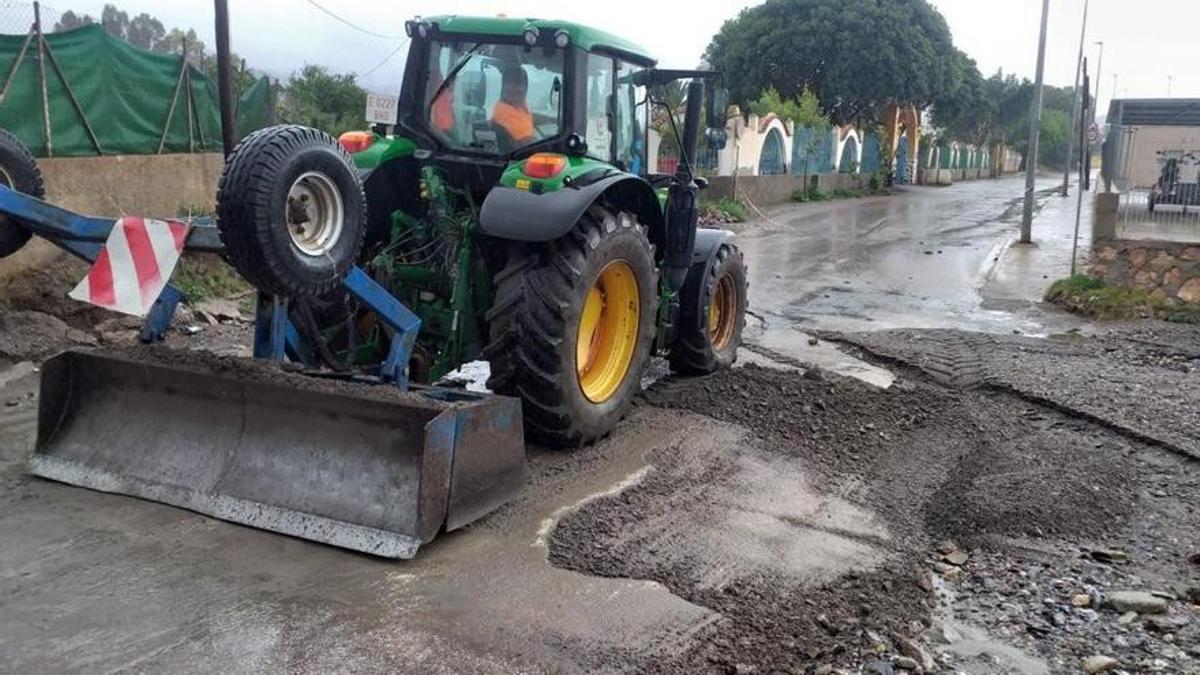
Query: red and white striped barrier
point(134, 265)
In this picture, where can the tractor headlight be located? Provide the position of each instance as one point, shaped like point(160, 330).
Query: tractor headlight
point(531, 36)
point(562, 38)
point(423, 30)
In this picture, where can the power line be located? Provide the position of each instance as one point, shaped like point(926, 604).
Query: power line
point(354, 26)
point(384, 61)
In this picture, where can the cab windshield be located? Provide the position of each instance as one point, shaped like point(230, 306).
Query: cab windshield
point(493, 98)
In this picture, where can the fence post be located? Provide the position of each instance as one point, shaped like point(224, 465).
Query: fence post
point(62, 77)
point(16, 64)
point(187, 97)
point(37, 27)
point(171, 109)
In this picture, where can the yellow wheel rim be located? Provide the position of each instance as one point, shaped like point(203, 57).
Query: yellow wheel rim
point(608, 332)
point(722, 313)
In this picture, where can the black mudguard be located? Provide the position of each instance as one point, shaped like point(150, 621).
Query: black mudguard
point(508, 213)
point(691, 296)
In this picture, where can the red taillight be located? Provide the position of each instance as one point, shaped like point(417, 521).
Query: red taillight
point(356, 141)
point(545, 165)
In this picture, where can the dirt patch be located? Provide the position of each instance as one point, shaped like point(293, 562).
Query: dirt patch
point(33, 336)
point(44, 289)
point(971, 472)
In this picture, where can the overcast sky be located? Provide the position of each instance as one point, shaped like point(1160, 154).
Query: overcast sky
point(1145, 41)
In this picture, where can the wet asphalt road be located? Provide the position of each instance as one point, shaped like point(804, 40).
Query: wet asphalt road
point(926, 257)
point(90, 581)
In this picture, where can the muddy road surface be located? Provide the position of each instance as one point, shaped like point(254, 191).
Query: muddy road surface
point(878, 488)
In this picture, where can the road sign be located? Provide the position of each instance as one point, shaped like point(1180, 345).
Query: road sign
point(381, 108)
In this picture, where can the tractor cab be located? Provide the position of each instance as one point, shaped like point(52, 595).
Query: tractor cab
point(493, 90)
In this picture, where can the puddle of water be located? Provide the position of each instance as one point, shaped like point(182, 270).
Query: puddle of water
point(746, 356)
point(972, 642)
point(797, 345)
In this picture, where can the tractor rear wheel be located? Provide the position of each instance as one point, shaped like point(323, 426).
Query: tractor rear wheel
point(291, 211)
point(721, 294)
point(572, 327)
point(19, 171)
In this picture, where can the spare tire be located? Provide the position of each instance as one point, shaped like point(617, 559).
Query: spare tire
point(19, 171)
point(291, 211)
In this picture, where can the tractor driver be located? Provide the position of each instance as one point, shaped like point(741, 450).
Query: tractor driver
point(511, 112)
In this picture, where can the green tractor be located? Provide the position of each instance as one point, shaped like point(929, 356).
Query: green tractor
point(513, 211)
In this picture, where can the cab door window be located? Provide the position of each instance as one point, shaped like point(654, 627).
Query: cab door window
point(631, 120)
point(599, 120)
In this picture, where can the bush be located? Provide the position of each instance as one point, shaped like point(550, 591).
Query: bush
point(730, 209)
point(201, 277)
point(1094, 298)
point(874, 184)
point(812, 194)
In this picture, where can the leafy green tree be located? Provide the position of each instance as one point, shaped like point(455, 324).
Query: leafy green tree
point(316, 97)
point(854, 55)
point(804, 110)
point(242, 77)
point(996, 110)
point(70, 21)
point(145, 31)
point(172, 43)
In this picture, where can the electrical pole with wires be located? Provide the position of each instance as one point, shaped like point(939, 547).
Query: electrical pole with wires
point(1075, 116)
point(225, 77)
point(1035, 126)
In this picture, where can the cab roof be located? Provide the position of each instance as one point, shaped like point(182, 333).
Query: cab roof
point(585, 37)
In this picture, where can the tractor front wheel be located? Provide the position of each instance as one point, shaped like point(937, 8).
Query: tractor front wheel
point(291, 211)
point(572, 327)
point(720, 294)
point(19, 171)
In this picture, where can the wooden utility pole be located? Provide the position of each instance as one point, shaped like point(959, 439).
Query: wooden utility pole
point(1035, 127)
point(224, 79)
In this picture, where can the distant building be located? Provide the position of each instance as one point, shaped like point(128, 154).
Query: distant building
point(1144, 135)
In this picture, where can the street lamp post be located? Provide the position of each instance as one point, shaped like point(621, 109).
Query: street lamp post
point(1075, 115)
point(1099, 65)
point(1035, 127)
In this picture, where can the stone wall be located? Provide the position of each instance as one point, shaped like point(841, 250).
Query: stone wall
point(1170, 270)
point(770, 190)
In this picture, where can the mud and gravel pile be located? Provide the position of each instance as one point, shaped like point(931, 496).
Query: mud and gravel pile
point(284, 374)
point(1139, 379)
point(974, 487)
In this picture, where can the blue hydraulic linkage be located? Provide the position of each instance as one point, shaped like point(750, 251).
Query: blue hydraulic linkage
point(275, 336)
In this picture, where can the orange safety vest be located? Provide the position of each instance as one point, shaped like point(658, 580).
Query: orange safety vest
point(443, 111)
point(516, 120)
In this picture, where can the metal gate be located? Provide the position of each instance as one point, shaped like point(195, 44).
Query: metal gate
point(902, 168)
point(848, 163)
point(1156, 170)
point(772, 160)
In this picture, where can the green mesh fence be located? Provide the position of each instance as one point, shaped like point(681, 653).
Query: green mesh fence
point(126, 96)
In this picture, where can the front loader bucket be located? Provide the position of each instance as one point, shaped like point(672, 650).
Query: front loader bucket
point(360, 466)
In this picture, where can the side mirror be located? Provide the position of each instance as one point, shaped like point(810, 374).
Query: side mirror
point(474, 87)
point(718, 104)
point(717, 138)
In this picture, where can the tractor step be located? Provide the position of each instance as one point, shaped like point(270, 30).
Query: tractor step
point(360, 466)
